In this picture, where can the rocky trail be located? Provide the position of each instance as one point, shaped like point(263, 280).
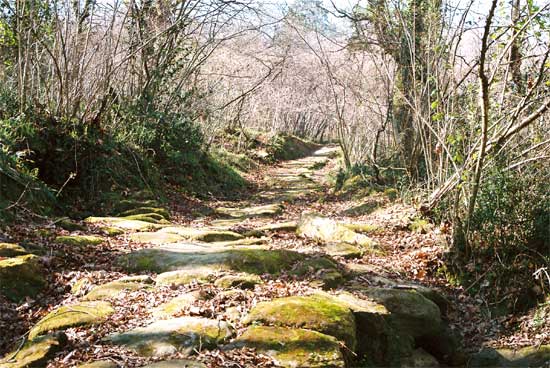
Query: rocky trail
point(290, 276)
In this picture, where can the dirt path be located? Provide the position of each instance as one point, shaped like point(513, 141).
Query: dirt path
point(291, 275)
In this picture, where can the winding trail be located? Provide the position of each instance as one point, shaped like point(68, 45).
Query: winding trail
point(291, 276)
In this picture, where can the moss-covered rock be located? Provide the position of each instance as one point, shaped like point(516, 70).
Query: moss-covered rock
point(378, 343)
point(11, 250)
point(269, 210)
point(112, 290)
point(146, 210)
point(99, 364)
point(156, 237)
point(293, 348)
point(316, 312)
point(410, 312)
point(327, 230)
point(531, 356)
point(243, 281)
point(111, 231)
point(183, 277)
point(81, 314)
point(280, 227)
point(67, 224)
point(204, 235)
point(176, 306)
point(79, 240)
point(250, 260)
point(179, 335)
point(20, 277)
point(35, 353)
point(344, 250)
point(323, 270)
point(153, 218)
point(363, 228)
point(123, 223)
point(179, 363)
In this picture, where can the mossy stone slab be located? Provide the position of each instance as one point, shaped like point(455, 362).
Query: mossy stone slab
point(12, 250)
point(35, 353)
point(204, 235)
point(99, 364)
point(280, 227)
point(153, 218)
point(269, 210)
point(242, 281)
point(157, 237)
point(146, 210)
point(79, 240)
point(123, 223)
point(178, 363)
point(69, 225)
point(293, 348)
point(176, 306)
point(410, 312)
point(80, 314)
point(112, 289)
point(20, 277)
point(344, 250)
point(316, 312)
point(183, 277)
point(191, 257)
point(179, 335)
point(327, 230)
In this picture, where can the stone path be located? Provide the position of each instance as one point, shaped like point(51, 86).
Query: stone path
point(328, 318)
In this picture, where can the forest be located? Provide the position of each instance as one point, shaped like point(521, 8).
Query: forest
point(274, 183)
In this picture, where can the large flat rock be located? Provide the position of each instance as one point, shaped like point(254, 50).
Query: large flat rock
point(317, 312)
point(35, 353)
point(326, 230)
point(179, 335)
point(293, 348)
point(190, 257)
point(269, 210)
point(20, 277)
point(80, 314)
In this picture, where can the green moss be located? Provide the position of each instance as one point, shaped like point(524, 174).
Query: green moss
point(11, 250)
point(344, 250)
point(156, 237)
point(327, 230)
point(35, 353)
point(99, 364)
point(123, 223)
point(316, 312)
point(205, 235)
point(281, 226)
point(111, 231)
point(153, 218)
point(69, 225)
point(81, 314)
point(79, 240)
point(420, 226)
point(171, 336)
point(162, 212)
point(260, 261)
point(250, 260)
point(293, 347)
point(243, 281)
point(20, 277)
point(176, 306)
point(112, 290)
point(268, 210)
point(184, 277)
point(288, 147)
point(391, 193)
point(410, 312)
point(363, 228)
